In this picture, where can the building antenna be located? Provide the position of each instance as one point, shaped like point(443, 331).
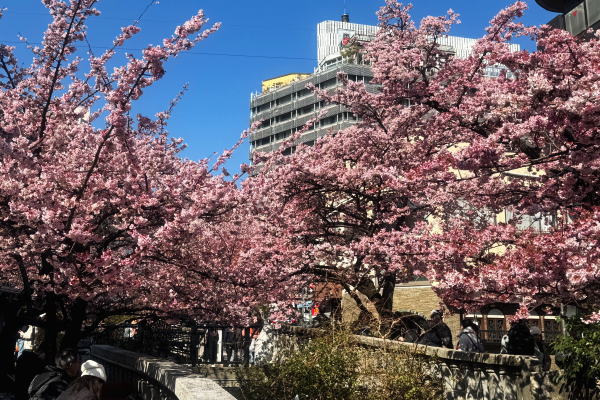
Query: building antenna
point(345, 16)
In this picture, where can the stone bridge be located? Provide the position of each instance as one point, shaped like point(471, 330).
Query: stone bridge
point(468, 376)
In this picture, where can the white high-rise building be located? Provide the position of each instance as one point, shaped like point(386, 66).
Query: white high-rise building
point(285, 104)
point(332, 34)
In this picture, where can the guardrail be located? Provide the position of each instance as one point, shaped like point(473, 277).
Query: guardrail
point(193, 345)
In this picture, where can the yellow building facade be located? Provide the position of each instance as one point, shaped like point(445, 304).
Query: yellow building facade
point(282, 80)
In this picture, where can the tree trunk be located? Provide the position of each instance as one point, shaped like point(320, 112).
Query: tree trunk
point(389, 284)
point(48, 346)
point(9, 329)
point(74, 325)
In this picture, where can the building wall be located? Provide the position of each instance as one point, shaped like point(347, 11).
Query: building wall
point(280, 81)
point(417, 297)
point(286, 109)
point(578, 19)
point(282, 105)
point(331, 33)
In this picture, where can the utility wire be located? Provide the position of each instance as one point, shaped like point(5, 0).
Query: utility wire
point(139, 18)
point(137, 21)
point(177, 21)
point(201, 53)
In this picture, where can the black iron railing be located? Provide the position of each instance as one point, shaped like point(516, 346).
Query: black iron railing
point(495, 336)
point(200, 344)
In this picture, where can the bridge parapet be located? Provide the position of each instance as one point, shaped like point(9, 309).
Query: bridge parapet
point(155, 378)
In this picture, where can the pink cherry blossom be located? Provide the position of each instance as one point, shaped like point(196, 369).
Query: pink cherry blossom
point(486, 186)
point(103, 217)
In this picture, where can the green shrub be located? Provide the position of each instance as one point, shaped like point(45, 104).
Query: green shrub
point(332, 367)
point(578, 354)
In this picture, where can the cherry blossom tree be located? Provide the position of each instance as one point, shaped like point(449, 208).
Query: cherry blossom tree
point(100, 215)
point(451, 164)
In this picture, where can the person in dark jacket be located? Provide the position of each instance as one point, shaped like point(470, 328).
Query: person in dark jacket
point(49, 384)
point(89, 385)
point(468, 339)
point(231, 342)
point(519, 339)
point(438, 334)
point(211, 344)
point(540, 349)
point(28, 366)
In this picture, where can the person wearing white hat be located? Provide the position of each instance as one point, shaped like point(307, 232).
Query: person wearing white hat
point(89, 385)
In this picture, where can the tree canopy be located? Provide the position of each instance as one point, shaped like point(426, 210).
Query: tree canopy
point(99, 213)
point(479, 173)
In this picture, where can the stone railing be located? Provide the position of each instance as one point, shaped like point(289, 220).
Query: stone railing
point(479, 376)
point(153, 378)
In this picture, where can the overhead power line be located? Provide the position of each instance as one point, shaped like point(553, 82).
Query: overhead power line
point(200, 53)
point(244, 27)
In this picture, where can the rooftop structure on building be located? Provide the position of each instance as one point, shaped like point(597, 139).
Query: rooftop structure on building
point(576, 16)
point(285, 104)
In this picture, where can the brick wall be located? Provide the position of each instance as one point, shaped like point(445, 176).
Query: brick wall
point(420, 298)
point(416, 296)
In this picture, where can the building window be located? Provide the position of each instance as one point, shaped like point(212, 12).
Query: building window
point(306, 109)
point(284, 100)
point(289, 150)
point(496, 327)
point(283, 135)
point(534, 320)
point(552, 329)
point(283, 117)
point(303, 93)
point(328, 121)
point(263, 141)
point(328, 83)
point(264, 107)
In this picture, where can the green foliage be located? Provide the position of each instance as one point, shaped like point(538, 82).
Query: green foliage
point(578, 354)
point(332, 367)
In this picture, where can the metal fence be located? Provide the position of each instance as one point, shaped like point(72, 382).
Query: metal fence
point(200, 344)
point(495, 336)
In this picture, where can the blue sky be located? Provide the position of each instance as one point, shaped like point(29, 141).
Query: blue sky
point(259, 39)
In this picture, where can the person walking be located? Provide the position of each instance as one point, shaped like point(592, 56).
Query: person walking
point(540, 350)
point(518, 340)
point(49, 384)
point(468, 339)
point(438, 334)
point(211, 346)
point(89, 385)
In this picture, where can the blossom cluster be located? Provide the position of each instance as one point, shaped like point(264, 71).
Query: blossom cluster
point(486, 186)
